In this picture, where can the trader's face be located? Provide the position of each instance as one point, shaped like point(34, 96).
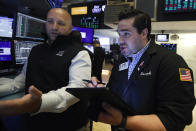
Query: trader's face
point(130, 40)
point(58, 23)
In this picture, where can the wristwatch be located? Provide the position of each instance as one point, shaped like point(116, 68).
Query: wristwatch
point(122, 125)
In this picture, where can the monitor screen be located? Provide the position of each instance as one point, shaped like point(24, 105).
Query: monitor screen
point(6, 27)
point(86, 33)
point(79, 10)
point(22, 50)
point(29, 27)
point(170, 46)
point(90, 22)
point(5, 51)
point(88, 14)
point(162, 37)
point(175, 6)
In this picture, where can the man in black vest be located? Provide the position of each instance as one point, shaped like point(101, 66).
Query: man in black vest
point(52, 67)
point(155, 82)
point(77, 37)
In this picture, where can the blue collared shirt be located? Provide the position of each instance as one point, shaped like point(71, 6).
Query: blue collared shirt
point(135, 59)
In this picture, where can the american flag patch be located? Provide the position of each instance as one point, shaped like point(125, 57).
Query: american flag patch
point(185, 74)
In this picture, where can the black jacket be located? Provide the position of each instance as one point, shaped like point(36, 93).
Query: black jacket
point(99, 55)
point(155, 87)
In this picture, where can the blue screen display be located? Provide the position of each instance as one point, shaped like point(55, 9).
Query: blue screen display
point(86, 33)
point(6, 27)
point(170, 46)
point(5, 51)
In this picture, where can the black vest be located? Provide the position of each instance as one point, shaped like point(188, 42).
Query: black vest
point(48, 69)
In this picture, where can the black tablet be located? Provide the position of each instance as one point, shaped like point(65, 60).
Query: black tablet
point(101, 95)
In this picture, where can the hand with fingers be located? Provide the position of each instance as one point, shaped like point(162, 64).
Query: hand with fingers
point(111, 115)
point(31, 102)
point(94, 83)
point(28, 103)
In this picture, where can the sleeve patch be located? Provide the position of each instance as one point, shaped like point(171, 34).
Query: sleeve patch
point(185, 74)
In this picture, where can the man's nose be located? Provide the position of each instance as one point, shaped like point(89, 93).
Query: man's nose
point(55, 26)
point(121, 40)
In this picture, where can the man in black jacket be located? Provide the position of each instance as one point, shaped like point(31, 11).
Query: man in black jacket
point(155, 82)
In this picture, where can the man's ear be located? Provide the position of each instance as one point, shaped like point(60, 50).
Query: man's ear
point(70, 28)
point(145, 32)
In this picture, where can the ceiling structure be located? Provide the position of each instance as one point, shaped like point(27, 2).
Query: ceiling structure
point(37, 8)
point(69, 2)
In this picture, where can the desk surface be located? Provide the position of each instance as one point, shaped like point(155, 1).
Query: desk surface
point(4, 89)
point(13, 96)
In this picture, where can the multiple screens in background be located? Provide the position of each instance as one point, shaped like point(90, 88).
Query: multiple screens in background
point(28, 32)
point(20, 53)
point(6, 46)
point(89, 14)
point(86, 33)
point(178, 6)
point(170, 46)
point(27, 27)
point(165, 38)
point(17, 37)
point(87, 37)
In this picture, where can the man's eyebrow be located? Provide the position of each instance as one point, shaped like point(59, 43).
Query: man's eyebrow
point(123, 30)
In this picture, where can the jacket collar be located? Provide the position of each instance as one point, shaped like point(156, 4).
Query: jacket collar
point(151, 49)
point(62, 42)
point(145, 59)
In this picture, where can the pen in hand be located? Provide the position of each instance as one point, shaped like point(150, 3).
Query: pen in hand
point(89, 81)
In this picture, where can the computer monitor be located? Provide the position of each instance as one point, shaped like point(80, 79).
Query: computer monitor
point(29, 27)
point(5, 51)
point(6, 27)
point(162, 37)
point(6, 54)
point(170, 46)
point(88, 14)
point(22, 50)
point(178, 6)
point(86, 33)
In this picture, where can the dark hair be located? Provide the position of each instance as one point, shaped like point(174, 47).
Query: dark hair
point(142, 20)
point(96, 42)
